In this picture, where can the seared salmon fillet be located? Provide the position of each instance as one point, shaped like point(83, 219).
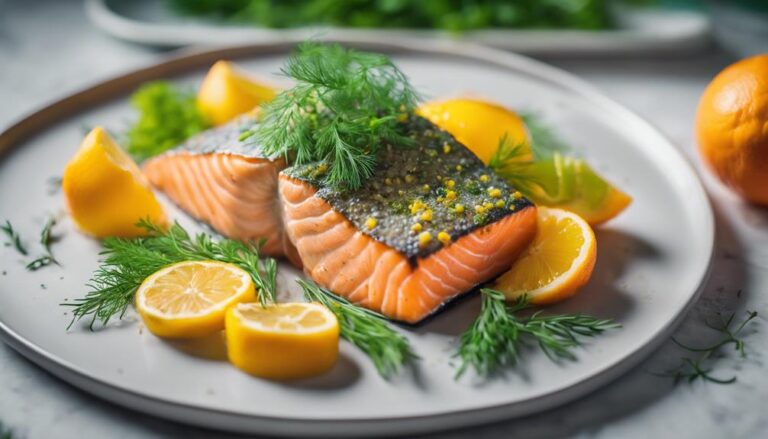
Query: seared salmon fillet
point(432, 223)
point(226, 183)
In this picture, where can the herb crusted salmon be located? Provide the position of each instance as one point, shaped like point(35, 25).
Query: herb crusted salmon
point(430, 224)
point(227, 183)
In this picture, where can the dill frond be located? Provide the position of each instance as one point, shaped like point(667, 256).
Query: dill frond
point(127, 262)
point(345, 106)
point(693, 369)
point(368, 330)
point(14, 237)
point(496, 338)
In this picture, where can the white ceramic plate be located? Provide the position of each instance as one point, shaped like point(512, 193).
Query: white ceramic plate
point(640, 30)
point(652, 261)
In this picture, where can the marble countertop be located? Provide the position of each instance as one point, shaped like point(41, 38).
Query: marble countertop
point(49, 49)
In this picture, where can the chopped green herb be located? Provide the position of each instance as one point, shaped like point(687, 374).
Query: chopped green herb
point(14, 236)
point(365, 329)
point(45, 240)
point(495, 339)
point(450, 15)
point(127, 262)
point(692, 369)
point(345, 106)
point(168, 115)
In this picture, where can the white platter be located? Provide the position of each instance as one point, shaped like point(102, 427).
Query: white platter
point(640, 30)
point(652, 261)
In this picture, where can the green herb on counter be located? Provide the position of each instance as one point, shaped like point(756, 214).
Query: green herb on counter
point(168, 115)
point(692, 369)
point(496, 338)
point(127, 262)
point(345, 106)
point(367, 330)
point(14, 236)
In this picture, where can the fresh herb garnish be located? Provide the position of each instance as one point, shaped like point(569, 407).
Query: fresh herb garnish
point(495, 339)
point(345, 106)
point(14, 236)
point(168, 115)
point(692, 369)
point(450, 15)
point(367, 330)
point(45, 239)
point(127, 262)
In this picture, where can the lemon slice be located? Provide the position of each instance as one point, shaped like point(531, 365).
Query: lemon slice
point(556, 264)
point(282, 341)
point(105, 192)
point(226, 93)
point(479, 125)
point(190, 299)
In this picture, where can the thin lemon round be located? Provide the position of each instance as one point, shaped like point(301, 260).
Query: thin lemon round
point(105, 191)
point(556, 264)
point(283, 341)
point(479, 125)
point(227, 93)
point(190, 299)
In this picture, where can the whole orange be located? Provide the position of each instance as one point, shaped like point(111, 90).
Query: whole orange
point(732, 127)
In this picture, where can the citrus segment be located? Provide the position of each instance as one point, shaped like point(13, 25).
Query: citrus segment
point(571, 184)
point(556, 264)
point(282, 341)
point(477, 124)
point(226, 93)
point(105, 192)
point(189, 299)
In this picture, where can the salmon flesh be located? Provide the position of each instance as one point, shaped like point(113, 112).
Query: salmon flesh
point(228, 184)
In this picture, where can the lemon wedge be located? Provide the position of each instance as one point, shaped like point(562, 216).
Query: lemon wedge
point(190, 299)
point(227, 93)
point(570, 183)
point(479, 125)
point(105, 192)
point(282, 341)
point(556, 264)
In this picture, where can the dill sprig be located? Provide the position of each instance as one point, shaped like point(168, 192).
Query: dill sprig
point(368, 330)
point(345, 105)
point(127, 262)
point(692, 369)
point(14, 236)
point(496, 338)
point(46, 239)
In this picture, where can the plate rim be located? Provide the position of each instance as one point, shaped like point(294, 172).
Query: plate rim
point(187, 60)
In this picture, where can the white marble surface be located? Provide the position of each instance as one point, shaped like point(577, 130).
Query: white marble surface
point(48, 49)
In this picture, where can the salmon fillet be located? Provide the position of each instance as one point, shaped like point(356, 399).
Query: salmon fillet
point(362, 244)
point(226, 183)
point(338, 256)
